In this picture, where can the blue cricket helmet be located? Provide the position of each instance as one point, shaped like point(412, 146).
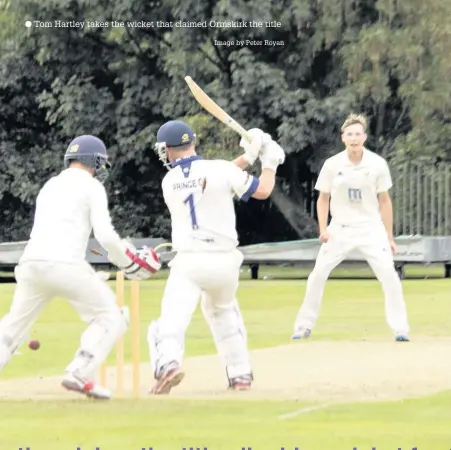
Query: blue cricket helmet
point(91, 152)
point(173, 134)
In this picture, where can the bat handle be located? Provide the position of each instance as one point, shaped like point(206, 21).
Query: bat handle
point(247, 136)
point(240, 130)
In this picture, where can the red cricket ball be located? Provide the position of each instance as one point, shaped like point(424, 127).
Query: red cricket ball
point(34, 345)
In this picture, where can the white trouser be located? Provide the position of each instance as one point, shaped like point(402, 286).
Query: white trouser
point(40, 281)
point(213, 277)
point(373, 243)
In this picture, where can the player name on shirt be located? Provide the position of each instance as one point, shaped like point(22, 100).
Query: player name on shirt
point(188, 184)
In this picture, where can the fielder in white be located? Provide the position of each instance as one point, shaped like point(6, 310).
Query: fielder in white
point(200, 198)
point(68, 207)
point(355, 182)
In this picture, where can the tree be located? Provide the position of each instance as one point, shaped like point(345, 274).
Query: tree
point(400, 70)
point(123, 82)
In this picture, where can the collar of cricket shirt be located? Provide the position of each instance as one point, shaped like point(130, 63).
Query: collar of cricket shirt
point(361, 164)
point(77, 171)
point(185, 160)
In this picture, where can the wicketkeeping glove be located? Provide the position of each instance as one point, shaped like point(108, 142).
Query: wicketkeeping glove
point(136, 264)
point(144, 263)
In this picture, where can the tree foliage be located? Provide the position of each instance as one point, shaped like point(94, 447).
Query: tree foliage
point(388, 59)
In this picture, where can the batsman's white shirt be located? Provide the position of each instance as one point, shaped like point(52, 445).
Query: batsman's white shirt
point(68, 207)
point(353, 188)
point(200, 197)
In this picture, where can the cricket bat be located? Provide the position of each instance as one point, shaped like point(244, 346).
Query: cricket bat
point(214, 109)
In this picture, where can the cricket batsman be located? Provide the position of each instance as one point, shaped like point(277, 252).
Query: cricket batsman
point(200, 197)
point(69, 206)
point(356, 184)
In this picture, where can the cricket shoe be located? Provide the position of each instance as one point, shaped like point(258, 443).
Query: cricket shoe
point(401, 338)
point(242, 383)
point(301, 333)
point(169, 377)
point(73, 382)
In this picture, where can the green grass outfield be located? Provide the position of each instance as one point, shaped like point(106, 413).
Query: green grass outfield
point(352, 310)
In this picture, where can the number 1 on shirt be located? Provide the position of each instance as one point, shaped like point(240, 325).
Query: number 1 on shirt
point(190, 201)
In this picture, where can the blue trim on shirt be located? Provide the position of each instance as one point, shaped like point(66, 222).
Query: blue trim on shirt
point(185, 163)
point(252, 188)
point(182, 161)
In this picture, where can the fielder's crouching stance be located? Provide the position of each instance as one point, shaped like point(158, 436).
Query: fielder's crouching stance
point(68, 208)
point(199, 195)
point(356, 181)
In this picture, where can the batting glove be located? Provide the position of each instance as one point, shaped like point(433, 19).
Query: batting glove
point(252, 149)
point(272, 156)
